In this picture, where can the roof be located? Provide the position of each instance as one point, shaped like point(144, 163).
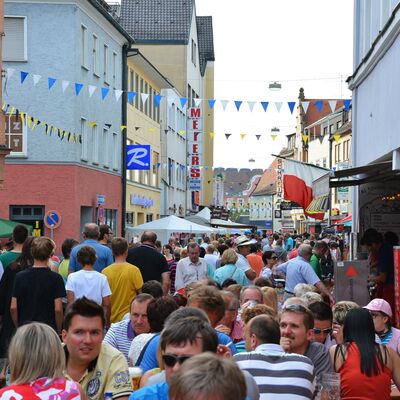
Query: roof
point(267, 183)
point(157, 21)
point(206, 41)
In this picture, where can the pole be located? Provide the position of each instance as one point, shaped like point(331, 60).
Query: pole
point(124, 134)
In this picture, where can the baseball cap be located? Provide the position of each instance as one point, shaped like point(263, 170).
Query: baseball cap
point(380, 305)
point(244, 241)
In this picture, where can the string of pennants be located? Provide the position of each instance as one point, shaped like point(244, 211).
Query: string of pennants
point(78, 87)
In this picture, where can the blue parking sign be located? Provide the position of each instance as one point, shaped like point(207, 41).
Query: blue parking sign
point(138, 156)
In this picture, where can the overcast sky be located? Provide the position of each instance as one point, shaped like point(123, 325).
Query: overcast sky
point(301, 43)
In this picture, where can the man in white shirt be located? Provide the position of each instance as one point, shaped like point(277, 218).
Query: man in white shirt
point(190, 269)
point(210, 256)
point(243, 250)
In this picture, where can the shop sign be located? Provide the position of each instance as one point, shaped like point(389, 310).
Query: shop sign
point(195, 150)
point(141, 201)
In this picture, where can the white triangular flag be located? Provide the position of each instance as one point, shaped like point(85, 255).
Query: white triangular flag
point(332, 105)
point(305, 105)
point(224, 104)
point(36, 79)
point(278, 105)
point(165, 166)
point(10, 72)
point(251, 105)
point(118, 94)
point(91, 89)
point(64, 85)
point(170, 101)
point(197, 102)
point(144, 97)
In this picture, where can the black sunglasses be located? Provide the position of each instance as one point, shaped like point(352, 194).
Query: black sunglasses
point(170, 360)
point(274, 258)
point(318, 331)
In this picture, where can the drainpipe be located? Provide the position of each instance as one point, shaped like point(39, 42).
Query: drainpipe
point(124, 134)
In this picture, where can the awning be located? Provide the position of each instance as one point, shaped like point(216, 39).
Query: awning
point(7, 227)
point(318, 205)
point(344, 220)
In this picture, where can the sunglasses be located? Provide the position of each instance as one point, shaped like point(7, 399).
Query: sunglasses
point(170, 360)
point(274, 258)
point(326, 331)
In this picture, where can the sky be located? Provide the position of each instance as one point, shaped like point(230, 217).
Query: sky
point(299, 43)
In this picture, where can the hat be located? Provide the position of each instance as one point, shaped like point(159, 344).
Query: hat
point(380, 305)
point(244, 241)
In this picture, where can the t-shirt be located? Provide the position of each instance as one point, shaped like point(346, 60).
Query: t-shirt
point(317, 353)
point(91, 284)
point(386, 261)
point(125, 281)
point(7, 258)
point(63, 269)
point(230, 271)
point(35, 290)
point(316, 265)
point(151, 263)
point(256, 263)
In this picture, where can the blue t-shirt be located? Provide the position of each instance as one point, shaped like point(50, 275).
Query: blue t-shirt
point(149, 360)
point(153, 392)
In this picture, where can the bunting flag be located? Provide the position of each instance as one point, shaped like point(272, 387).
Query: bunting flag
point(321, 138)
point(23, 76)
point(258, 137)
point(336, 137)
point(183, 101)
point(197, 102)
point(144, 97)
point(238, 103)
point(305, 105)
point(227, 135)
point(224, 104)
point(251, 105)
point(305, 138)
point(243, 135)
point(131, 96)
point(157, 100)
point(104, 92)
point(91, 90)
point(265, 105)
point(273, 136)
point(118, 94)
point(347, 104)
point(12, 111)
point(332, 105)
point(51, 82)
point(152, 129)
point(137, 128)
point(10, 72)
point(291, 105)
point(64, 85)
point(212, 134)
point(108, 125)
point(122, 127)
point(211, 103)
point(318, 104)
point(182, 132)
point(78, 88)
point(278, 105)
point(92, 124)
point(36, 79)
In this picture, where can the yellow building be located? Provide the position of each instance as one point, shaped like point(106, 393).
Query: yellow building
point(143, 127)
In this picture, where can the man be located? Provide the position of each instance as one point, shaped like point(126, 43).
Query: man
point(125, 280)
point(121, 334)
point(268, 246)
point(289, 244)
point(210, 257)
point(96, 366)
point(230, 324)
point(20, 233)
point(38, 292)
point(323, 319)
point(91, 234)
point(249, 294)
point(205, 242)
point(152, 264)
point(296, 326)
point(243, 250)
point(105, 235)
point(277, 374)
point(319, 252)
point(190, 269)
point(299, 270)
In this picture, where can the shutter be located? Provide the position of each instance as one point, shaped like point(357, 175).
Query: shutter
point(14, 39)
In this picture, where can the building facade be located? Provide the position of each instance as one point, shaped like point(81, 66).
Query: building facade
point(66, 142)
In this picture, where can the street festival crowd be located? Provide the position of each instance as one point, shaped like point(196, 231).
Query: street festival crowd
point(239, 317)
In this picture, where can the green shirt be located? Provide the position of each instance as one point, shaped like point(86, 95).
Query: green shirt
point(7, 258)
point(316, 265)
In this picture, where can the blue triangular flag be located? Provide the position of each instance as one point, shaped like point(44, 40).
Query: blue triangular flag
point(131, 96)
point(291, 105)
point(346, 104)
point(51, 82)
point(104, 92)
point(319, 104)
point(238, 103)
point(78, 88)
point(23, 76)
point(158, 165)
point(183, 100)
point(211, 103)
point(157, 99)
point(265, 105)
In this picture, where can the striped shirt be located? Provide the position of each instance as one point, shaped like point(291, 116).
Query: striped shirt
point(279, 375)
point(120, 336)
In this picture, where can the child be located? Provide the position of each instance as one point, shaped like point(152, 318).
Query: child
point(66, 248)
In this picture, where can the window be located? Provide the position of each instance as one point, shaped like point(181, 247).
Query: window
point(324, 162)
point(14, 41)
point(15, 134)
point(170, 165)
point(84, 145)
point(129, 218)
point(325, 130)
point(338, 124)
point(95, 55)
point(131, 82)
point(115, 162)
point(149, 217)
point(96, 145)
point(331, 128)
point(194, 52)
point(337, 153)
point(106, 161)
point(146, 106)
point(114, 70)
point(155, 180)
point(84, 47)
point(105, 64)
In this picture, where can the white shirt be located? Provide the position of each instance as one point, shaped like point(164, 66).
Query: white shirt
point(188, 272)
point(211, 259)
point(91, 284)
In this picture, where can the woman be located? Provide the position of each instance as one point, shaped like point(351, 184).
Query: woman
point(366, 368)
point(340, 310)
point(37, 361)
point(381, 314)
point(229, 269)
point(168, 253)
point(270, 259)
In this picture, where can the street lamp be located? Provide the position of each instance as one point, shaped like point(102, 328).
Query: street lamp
point(275, 86)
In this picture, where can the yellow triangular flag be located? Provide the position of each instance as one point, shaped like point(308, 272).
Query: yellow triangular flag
point(305, 138)
point(122, 127)
point(34, 123)
point(4, 106)
point(12, 111)
point(182, 132)
point(28, 119)
point(92, 124)
point(212, 134)
point(22, 117)
point(243, 135)
point(336, 137)
point(274, 137)
point(152, 129)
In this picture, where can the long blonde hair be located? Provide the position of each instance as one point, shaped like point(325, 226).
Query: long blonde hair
point(35, 352)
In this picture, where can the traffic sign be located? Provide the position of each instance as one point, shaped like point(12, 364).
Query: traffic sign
point(351, 272)
point(52, 219)
point(101, 199)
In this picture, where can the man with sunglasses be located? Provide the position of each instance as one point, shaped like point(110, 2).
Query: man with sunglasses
point(323, 319)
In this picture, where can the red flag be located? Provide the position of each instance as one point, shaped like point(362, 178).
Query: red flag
point(297, 184)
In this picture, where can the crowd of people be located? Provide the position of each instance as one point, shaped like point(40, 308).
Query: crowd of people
point(240, 317)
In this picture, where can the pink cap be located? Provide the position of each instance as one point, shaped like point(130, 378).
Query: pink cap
point(380, 305)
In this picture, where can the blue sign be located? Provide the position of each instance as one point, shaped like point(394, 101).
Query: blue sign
point(141, 201)
point(138, 156)
point(52, 219)
point(101, 199)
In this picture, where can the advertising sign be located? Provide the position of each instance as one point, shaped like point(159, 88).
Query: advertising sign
point(138, 156)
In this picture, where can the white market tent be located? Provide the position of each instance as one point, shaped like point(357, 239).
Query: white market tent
point(165, 227)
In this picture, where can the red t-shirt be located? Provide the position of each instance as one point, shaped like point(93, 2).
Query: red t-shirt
point(256, 263)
